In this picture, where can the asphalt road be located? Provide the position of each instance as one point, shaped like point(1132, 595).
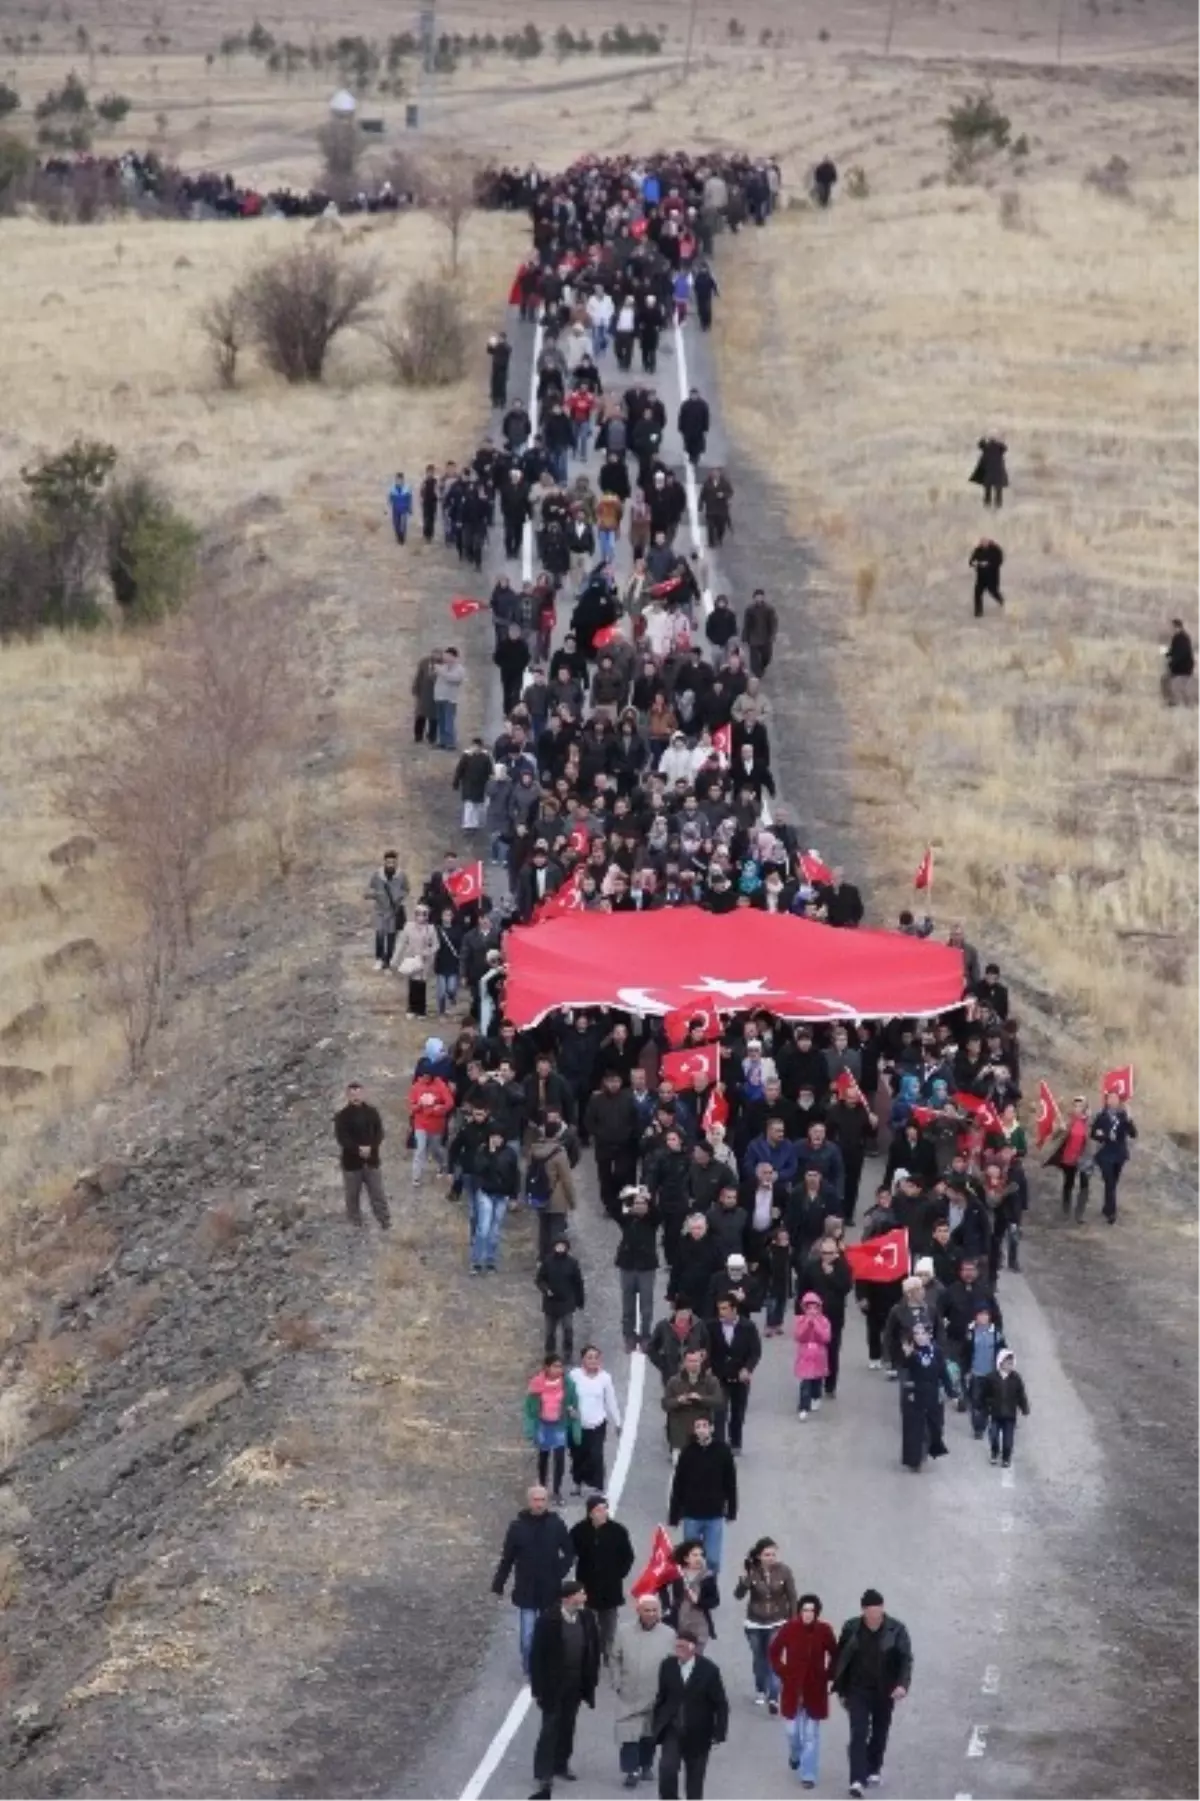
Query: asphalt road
point(964, 1553)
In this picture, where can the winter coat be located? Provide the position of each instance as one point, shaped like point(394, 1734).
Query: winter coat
point(741, 1353)
point(418, 941)
point(389, 894)
point(897, 1659)
point(1111, 1132)
point(546, 1657)
point(498, 1172)
point(532, 1409)
point(769, 1592)
point(704, 1486)
point(537, 1553)
point(472, 775)
point(990, 471)
point(812, 1333)
point(666, 1348)
point(358, 1128)
point(803, 1659)
point(430, 1104)
point(1004, 1395)
point(637, 1654)
point(603, 1558)
point(681, 1414)
point(560, 1281)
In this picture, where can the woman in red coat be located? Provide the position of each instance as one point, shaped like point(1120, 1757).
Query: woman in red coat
point(802, 1655)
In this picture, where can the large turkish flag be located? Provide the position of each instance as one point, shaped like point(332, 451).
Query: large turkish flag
point(683, 956)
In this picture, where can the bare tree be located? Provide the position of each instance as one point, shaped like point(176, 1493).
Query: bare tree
point(447, 187)
point(427, 342)
point(297, 304)
point(223, 322)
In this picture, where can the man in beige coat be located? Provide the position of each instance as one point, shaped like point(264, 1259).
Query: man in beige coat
point(638, 1650)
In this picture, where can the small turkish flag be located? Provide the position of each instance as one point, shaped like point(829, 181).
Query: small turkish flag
point(465, 885)
point(578, 841)
point(682, 1067)
point(462, 608)
point(813, 867)
point(716, 1108)
point(680, 1021)
point(661, 1568)
point(566, 899)
point(638, 229)
point(606, 635)
point(882, 1259)
point(1049, 1113)
point(981, 1111)
point(668, 587)
point(1119, 1079)
point(842, 1082)
point(923, 1115)
point(722, 742)
point(924, 875)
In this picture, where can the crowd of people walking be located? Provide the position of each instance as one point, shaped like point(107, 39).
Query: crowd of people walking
point(632, 769)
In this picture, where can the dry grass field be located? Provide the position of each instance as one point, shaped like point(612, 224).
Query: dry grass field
point(101, 340)
point(867, 350)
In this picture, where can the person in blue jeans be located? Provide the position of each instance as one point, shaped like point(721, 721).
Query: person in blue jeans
point(704, 1492)
point(400, 500)
point(769, 1590)
point(802, 1657)
point(537, 1554)
point(984, 1343)
point(497, 1184)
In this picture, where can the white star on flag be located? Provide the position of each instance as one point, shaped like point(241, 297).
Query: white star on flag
point(733, 991)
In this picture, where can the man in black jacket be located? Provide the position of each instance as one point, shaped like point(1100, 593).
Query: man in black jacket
point(564, 1668)
point(359, 1133)
point(704, 1492)
point(986, 560)
point(691, 1715)
point(537, 1555)
point(604, 1557)
point(611, 1120)
point(637, 1260)
point(560, 1282)
point(871, 1672)
point(693, 425)
point(734, 1349)
point(841, 900)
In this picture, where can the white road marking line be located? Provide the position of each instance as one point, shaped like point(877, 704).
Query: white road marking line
point(1008, 1479)
point(963, 1795)
point(977, 1743)
point(991, 1680)
point(513, 1720)
point(1000, 1621)
point(1006, 1522)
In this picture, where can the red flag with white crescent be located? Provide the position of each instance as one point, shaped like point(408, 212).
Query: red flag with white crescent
point(661, 1567)
point(924, 875)
point(814, 868)
point(883, 1259)
point(462, 607)
point(1048, 1115)
point(982, 1112)
point(1119, 1079)
point(682, 1067)
point(722, 742)
point(465, 885)
point(682, 1020)
point(567, 898)
point(716, 1108)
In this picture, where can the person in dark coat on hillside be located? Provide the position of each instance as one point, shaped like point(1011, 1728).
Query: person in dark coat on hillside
point(987, 560)
point(604, 1556)
point(1111, 1132)
point(537, 1554)
point(693, 425)
point(991, 472)
point(872, 1671)
point(824, 176)
point(704, 287)
point(358, 1129)
point(691, 1715)
point(564, 1669)
point(560, 1283)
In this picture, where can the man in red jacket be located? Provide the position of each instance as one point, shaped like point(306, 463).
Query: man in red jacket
point(802, 1654)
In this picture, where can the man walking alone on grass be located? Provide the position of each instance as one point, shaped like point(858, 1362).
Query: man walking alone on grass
point(871, 1672)
point(987, 560)
point(359, 1133)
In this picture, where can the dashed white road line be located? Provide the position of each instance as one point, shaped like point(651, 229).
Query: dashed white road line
point(991, 1680)
point(977, 1743)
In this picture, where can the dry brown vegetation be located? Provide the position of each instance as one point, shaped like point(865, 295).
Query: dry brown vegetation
point(866, 351)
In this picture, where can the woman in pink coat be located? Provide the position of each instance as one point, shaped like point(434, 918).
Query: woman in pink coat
point(812, 1333)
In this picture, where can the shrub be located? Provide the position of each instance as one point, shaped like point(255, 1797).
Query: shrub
point(735, 31)
point(113, 108)
point(17, 164)
point(223, 322)
point(1019, 146)
point(977, 122)
point(259, 40)
point(71, 97)
point(65, 502)
point(428, 344)
point(1010, 210)
point(150, 548)
point(857, 185)
point(10, 100)
point(1111, 179)
point(297, 305)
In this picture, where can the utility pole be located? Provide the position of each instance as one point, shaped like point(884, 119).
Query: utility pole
point(691, 33)
point(893, 9)
point(1062, 20)
point(427, 38)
